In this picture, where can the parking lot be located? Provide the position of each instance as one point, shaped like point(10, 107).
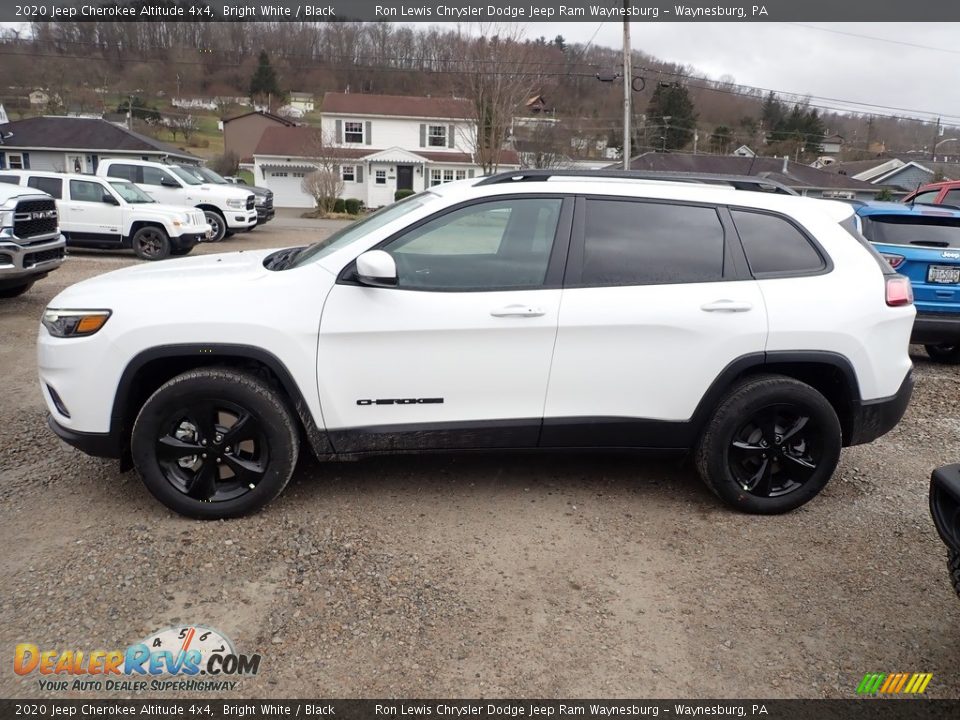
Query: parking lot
point(484, 574)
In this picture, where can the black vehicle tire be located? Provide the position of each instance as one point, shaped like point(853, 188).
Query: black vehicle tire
point(15, 290)
point(953, 562)
point(151, 243)
point(216, 221)
point(944, 353)
point(772, 444)
point(215, 443)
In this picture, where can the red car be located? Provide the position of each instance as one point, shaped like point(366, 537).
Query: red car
point(941, 193)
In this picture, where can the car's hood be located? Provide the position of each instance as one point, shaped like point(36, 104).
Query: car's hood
point(224, 191)
point(172, 282)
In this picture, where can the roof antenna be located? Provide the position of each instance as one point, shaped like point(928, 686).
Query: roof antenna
point(752, 161)
point(913, 200)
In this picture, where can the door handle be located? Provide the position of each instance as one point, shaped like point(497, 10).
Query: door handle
point(727, 306)
point(74, 208)
point(518, 311)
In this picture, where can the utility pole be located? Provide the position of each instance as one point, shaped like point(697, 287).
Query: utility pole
point(627, 85)
point(129, 112)
point(933, 145)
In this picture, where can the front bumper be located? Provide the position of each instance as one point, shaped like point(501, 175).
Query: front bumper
point(187, 241)
point(264, 215)
point(104, 445)
point(240, 219)
point(20, 261)
point(936, 328)
point(945, 504)
point(874, 418)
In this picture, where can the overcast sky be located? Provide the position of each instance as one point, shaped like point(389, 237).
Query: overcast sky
point(813, 58)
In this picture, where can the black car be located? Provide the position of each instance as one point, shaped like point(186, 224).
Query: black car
point(945, 508)
point(263, 196)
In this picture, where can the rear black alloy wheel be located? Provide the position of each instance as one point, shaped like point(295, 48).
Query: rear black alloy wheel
point(944, 353)
point(215, 443)
point(151, 243)
point(775, 452)
point(771, 445)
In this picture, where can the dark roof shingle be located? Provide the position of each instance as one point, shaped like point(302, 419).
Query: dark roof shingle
point(72, 133)
point(399, 105)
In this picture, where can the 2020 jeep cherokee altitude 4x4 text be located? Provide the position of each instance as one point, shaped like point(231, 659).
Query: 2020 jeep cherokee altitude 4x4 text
point(518, 311)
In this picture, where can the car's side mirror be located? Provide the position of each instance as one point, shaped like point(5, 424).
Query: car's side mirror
point(377, 269)
point(169, 182)
point(109, 199)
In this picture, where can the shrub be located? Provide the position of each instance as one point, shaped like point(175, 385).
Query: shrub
point(226, 164)
point(339, 206)
point(401, 194)
point(353, 206)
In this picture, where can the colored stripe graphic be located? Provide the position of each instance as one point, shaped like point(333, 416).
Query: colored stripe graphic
point(894, 683)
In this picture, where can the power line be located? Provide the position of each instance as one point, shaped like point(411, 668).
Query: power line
point(904, 43)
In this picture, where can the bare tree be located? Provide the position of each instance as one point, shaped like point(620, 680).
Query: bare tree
point(325, 184)
point(499, 80)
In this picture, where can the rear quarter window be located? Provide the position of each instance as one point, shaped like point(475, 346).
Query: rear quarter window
point(10, 179)
point(775, 246)
point(51, 186)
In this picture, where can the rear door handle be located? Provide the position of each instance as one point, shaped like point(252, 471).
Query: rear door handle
point(727, 306)
point(518, 311)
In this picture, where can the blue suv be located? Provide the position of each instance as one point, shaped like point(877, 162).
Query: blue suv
point(923, 243)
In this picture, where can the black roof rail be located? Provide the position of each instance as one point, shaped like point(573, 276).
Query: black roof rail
point(754, 183)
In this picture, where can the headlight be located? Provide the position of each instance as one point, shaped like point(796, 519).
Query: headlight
point(261, 200)
point(6, 218)
point(238, 204)
point(74, 323)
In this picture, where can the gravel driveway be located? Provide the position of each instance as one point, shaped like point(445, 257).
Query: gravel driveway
point(484, 575)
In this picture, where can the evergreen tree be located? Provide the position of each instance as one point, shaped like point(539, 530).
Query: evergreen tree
point(672, 115)
point(264, 81)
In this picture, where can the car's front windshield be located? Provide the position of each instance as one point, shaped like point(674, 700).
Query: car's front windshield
point(208, 175)
point(130, 192)
point(369, 224)
point(188, 177)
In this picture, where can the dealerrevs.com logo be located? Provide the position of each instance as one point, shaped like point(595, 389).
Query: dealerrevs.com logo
point(192, 657)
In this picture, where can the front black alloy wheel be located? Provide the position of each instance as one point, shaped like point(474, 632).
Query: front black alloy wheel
point(151, 243)
point(215, 443)
point(217, 224)
point(771, 445)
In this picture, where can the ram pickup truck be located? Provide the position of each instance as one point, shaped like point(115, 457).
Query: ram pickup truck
point(264, 196)
point(30, 241)
point(227, 209)
point(107, 213)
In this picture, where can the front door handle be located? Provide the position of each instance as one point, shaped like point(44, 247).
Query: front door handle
point(727, 306)
point(518, 311)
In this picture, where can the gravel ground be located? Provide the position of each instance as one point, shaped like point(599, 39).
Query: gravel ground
point(484, 575)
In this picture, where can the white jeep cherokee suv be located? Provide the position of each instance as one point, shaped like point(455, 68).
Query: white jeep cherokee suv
point(524, 310)
point(107, 213)
point(227, 208)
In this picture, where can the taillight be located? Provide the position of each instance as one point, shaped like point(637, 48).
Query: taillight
point(899, 291)
point(895, 261)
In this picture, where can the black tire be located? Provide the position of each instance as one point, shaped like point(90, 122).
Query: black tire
point(151, 243)
point(204, 424)
point(953, 562)
point(771, 446)
point(15, 290)
point(944, 353)
point(216, 221)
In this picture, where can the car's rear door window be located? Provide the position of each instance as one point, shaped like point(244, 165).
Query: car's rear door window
point(51, 186)
point(629, 242)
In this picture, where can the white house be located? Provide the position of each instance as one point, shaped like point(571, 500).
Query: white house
point(301, 101)
point(381, 144)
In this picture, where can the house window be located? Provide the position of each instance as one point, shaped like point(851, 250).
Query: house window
point(15, 162)
point(381, 177)
point(279, 174)
point(353, 132)
point(461, 174)
point(437, 136)
point(348, 173)
point(436, 177)
point(298, 174)
point(448, 176)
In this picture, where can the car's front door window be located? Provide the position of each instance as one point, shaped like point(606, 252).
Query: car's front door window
point(497, 245)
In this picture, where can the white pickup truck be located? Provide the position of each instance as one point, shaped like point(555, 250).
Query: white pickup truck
point(107, 213)
point(227, 209)
point(30, 242)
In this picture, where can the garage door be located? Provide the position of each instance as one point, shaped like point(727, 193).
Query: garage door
point(286, 189)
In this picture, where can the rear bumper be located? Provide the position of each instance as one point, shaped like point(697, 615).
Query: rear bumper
point(873, 418)
point(936, 328)
point(945, 504)
point(104, 445)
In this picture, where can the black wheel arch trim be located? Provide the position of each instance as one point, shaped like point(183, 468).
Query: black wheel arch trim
point(119, 416)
